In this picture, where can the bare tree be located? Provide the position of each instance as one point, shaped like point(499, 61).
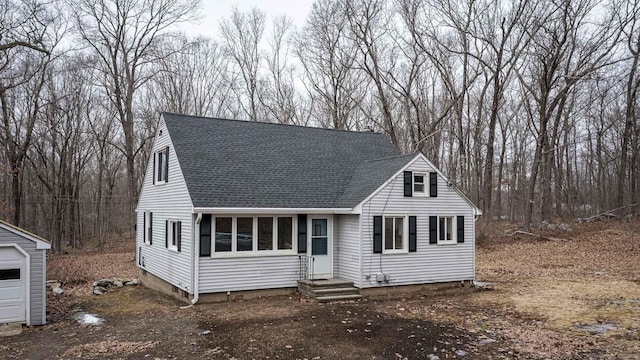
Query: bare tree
point(27, 36)
point(242, 34)
point(328, 60)
point(124, 35)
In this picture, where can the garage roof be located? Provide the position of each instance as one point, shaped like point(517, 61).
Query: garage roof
point(41, 244)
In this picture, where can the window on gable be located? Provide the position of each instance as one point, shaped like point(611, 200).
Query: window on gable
point(394, 234)
point(251, 234)
point(446, 230)
point(161, 166)
point(419, 187)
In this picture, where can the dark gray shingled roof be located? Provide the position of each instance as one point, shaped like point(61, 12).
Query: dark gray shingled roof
point(237, 164)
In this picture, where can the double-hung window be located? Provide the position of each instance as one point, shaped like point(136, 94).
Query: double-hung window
point(161, 166)
point(419, 187)
point(174, 234)
point(148, 228)
point(250, 234)
point(395, 234)
point(446, 230)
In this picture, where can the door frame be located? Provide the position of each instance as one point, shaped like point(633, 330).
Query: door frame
point(27, 272)
point(329, 219)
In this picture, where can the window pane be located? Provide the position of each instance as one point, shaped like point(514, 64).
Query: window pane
point(160, 166)
point(399, 232)
point(418, 187)
point(285, 233)
point(10, 274)
point(245, 234)
point(319, 227)
point(449, 222)
point(223, 234)
point(442, 228)
point(174, 233)
point(388, 233)
point(319, 245)
point(265, 233)
point(418, 179)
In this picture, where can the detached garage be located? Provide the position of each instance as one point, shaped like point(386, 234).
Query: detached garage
point(23, 264)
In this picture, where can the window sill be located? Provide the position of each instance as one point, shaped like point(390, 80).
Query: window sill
point(452, 242)
point(173, 249)
point(416, 194)
point(159, 183)
point(147, 244)
point(393, 252)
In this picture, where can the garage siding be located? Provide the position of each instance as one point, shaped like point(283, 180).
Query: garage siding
point(37, 274)
point(169, 201)
point(431, 263)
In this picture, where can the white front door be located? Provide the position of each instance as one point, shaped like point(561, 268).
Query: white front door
point(320, 247)
point(13, 286)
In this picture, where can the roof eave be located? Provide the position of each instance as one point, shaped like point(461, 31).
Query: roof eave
point(265, 210)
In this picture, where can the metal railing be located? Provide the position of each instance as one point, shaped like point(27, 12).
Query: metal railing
point(304, 266)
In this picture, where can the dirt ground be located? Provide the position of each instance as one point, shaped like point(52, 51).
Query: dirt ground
point(577, 297)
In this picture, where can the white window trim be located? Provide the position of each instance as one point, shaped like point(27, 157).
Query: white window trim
point(425, 183)
point(405, 233)
point(254, 250)
point(454, 230)
point(145, 231)
point(171, 246)
point(157, 167)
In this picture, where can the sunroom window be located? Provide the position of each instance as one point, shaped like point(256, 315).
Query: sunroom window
point(251, 234)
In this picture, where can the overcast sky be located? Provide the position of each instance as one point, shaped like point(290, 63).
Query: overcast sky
point(214, 10)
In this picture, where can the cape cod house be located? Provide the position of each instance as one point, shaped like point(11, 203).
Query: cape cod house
point(232, 207)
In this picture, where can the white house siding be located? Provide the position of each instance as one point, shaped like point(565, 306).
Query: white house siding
point(346, 262)
point(166, 201)
point(37, 274)
point(220, 274)
point(431, 263)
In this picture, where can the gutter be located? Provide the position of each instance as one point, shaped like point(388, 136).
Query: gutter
point(196, 262)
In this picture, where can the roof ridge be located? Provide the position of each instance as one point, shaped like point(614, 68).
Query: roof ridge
point(270, 123)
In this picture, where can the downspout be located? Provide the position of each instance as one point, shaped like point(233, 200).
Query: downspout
point(196, 260)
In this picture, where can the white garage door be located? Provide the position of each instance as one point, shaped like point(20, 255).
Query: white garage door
point(13, 285)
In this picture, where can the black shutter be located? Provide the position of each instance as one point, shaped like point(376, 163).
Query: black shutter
point(205, 235)
point(139, 255)
point(179, 235)
point(302, 234)
point(150, 235)
point(153, 174)
point(460, 233)
point(433, 184)
point(408, 184)
point(377, 234)
point(433, 229)
point(144, 227)
point(166, 233)
point(166, 164)
point(413, 239)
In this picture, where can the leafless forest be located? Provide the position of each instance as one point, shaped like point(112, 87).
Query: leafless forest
point(528, 106)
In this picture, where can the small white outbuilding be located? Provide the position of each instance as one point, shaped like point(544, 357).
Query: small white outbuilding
point(23, 265)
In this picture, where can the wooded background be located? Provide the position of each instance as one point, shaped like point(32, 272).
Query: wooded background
point(528, 106)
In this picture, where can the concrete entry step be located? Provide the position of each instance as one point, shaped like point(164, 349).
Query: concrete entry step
point(326, 299)
point(328, 290)
point(10, 329)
